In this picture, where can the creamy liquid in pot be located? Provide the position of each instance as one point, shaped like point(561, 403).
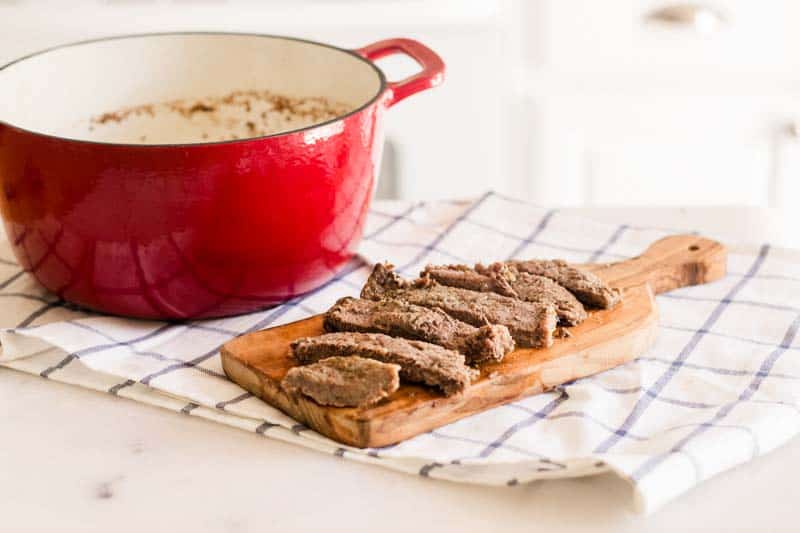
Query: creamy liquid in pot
point(237, 115)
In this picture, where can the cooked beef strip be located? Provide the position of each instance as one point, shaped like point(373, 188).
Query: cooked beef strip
point(531, 324)
point(508, 281)
point(586, 286)
point(401, 319)
point(468, 278)
point(343, 381)
point(420, 362)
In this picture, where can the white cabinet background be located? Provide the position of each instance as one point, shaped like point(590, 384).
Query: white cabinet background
point(563, 102)
point(624, 111)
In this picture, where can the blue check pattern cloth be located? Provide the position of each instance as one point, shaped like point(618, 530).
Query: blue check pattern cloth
point(720, 387)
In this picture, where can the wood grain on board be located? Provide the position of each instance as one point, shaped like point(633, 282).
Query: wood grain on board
point(607, 338)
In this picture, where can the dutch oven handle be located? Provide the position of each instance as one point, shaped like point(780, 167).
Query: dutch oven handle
point(431, 75)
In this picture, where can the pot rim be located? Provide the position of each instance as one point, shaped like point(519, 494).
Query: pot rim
point(370, 102)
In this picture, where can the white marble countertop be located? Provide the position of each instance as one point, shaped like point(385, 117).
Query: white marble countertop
point(76, 460)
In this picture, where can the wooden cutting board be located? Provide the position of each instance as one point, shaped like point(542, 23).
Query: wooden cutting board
point(258, 361)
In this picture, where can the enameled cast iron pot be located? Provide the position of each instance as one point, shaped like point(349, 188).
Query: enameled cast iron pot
point(198, 229)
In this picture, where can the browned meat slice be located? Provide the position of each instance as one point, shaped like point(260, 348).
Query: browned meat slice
point(401, 319)
point(587, 287)
point(510, 282)
point(531, 324)
point(469, 278)
point(343, 381)
point(420, 362)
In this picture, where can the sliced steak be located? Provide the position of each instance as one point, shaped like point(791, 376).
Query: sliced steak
point(420, 362)
point(531, 324)
point(343, 381)
point(587, 287)
point(469, 278)
point(509, 281)
point(401, 319)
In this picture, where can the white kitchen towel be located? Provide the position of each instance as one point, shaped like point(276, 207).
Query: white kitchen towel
point(720, 387)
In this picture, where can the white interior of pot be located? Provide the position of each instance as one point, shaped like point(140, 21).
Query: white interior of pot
point(63, 91)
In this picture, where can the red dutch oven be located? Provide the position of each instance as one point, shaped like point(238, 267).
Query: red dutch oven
point(193, 229)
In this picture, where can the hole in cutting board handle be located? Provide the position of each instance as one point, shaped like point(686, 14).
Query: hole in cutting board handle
point(694, 248)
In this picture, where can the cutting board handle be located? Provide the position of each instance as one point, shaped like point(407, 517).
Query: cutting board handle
point(668, 264)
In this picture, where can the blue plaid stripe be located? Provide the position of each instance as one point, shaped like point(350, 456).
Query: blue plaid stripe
point(543, 413)
point(518, 449)
point(25, 322)
point(613, 239)
point(261, 324)
point(428, 248)
point(540, 227)
point(518, 436)
point(189, 407)
point(765, 305)
point(527, 241)
point(26, 296)
point(240, 398)
point(527, 422)
point(641, 406)
point(11, 279)
point(725, 410)
point(393, 219)
point(737, 338)
point(547, 410)
point(270, 318)
point(712, 369)
point(620, 432)
point(774, 277)
point(111, 345)
point(263, 427)
point(638, 390)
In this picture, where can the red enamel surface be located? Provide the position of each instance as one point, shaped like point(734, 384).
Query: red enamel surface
point(431, 75)
point(196, 230)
